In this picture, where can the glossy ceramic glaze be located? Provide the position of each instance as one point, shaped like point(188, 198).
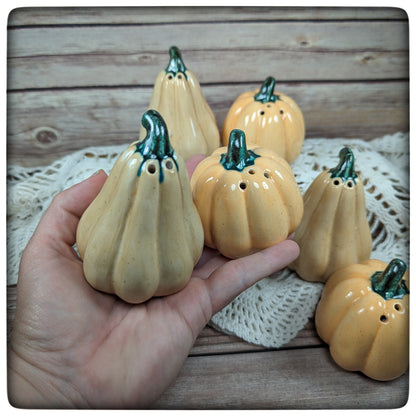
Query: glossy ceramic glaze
point(269, 119)
point(142, 235)
point(248, 199)
point(366, 330)
point(334, 231)
point(178, 97)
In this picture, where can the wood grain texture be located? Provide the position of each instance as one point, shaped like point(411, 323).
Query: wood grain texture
point(140, 69)
point(113, 55)
point(91, 117)
point(210, 341)
point(79, 77)
point(83, 76)
point(38, 16)
point(282, 379)
point(128, 39)
point(225, 372)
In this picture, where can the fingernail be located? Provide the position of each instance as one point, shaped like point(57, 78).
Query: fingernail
point(291, 236)
point(97, 172)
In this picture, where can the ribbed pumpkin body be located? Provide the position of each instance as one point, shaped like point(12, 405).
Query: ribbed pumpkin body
point(334, 231)
point(269, 120)
point(365, 331)
point(178, 97)
point(141, 236)
point(248, 203)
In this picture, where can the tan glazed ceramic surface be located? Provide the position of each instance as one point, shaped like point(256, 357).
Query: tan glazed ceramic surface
point(334, 231)
point(178, 97)
point(142, 235)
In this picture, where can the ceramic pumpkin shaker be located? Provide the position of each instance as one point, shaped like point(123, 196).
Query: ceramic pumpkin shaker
point(178, 97)
point(142, 235)
point(363, 315)
point(248, 199)
point(269, 119)
point(334, 231)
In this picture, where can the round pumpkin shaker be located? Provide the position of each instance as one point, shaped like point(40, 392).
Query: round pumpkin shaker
point(363, 315)
point(142, 235)
point(334, 231)
point(269, 119)
point(178, 97)
point(248, 199)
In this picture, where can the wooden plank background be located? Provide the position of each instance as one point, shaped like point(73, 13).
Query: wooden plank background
point(81, 77)
point(84, 76)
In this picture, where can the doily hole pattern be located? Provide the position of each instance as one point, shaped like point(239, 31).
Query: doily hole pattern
point(275, 309)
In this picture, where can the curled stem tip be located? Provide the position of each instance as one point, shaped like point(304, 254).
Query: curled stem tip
point(156, 145)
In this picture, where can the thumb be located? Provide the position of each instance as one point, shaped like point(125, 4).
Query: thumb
point(60, 221)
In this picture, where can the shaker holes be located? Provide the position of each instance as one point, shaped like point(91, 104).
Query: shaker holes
point(383, 318)
point(242, 186)
point(151, 168)
point(169, 165)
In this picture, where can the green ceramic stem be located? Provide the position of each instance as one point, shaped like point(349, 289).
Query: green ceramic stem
point(237, 156)
point(176, 64)
point(156, 144)
point(389, 283)
point(266, 92)
point(345, 168)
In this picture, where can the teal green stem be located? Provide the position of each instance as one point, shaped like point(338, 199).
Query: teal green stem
point(176, 64)
point(389, 283)
point(266, 92)
point(237, 156)
point(345, 168)
point(156, 144)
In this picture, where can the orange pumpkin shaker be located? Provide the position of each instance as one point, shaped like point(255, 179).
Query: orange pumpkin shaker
point(269, 119)
point(363, 315)
point(248, 199)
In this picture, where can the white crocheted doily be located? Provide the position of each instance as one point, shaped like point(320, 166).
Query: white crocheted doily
point(275, 309)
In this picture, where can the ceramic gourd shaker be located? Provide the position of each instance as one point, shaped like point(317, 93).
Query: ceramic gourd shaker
point(142, 235)
point(334, 231)
point(248, 199)
point(178, 97)
point(363, 315)
point(269, 119)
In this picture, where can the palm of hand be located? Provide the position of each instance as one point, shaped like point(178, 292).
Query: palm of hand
point(79, 334)
point(97, 350)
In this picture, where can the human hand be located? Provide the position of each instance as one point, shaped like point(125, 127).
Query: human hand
point(73, 346)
